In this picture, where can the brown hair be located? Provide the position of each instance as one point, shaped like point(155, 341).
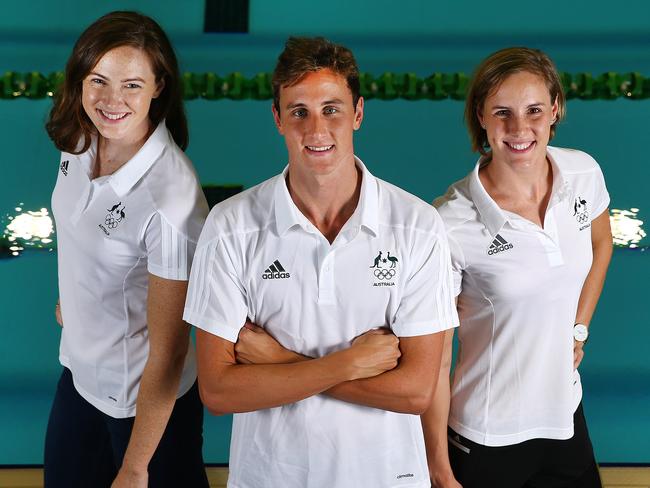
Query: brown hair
point(68, 123)
point(493, 71)
point(304, 55)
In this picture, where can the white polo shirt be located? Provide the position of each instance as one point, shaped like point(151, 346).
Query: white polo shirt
point(112, 231)
point(518, 287)
point(260, 257)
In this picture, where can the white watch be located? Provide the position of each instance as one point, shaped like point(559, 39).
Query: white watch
point(580, 332)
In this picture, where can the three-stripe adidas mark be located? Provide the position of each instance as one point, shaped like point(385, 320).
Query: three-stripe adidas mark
point(64, 167)
point(275, 271)
point(499, 244)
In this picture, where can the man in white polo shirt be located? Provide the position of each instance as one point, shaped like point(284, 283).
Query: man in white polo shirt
point(320, 256)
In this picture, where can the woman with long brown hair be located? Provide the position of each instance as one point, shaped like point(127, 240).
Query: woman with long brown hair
point(128, 210)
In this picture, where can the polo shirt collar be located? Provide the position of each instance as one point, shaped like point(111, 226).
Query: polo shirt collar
point(133, 170)
point(491, 214)
point(130, 173)
point(561, 187)
point(366, 215)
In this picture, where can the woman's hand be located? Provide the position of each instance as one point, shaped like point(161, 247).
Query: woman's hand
point(578, 353)
point(130, 479)
point(57, 313)
point(445, 481)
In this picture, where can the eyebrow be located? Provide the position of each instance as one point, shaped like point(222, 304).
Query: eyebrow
point(502, 107)
point(99, 75)
point(334, 101)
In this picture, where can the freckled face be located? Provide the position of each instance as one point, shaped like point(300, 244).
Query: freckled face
point(517, 117)
point(317, 119)
point(117, 94)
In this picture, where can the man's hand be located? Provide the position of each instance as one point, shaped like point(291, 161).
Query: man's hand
point(578, 353)
point(256, 346)
point(57, 313)
point(374, 352)
point(130, 479)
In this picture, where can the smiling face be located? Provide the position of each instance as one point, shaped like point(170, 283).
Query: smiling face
point(117, 94)
point(517, 118)
point(317, 119)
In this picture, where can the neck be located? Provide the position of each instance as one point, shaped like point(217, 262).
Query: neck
point(531, 182)
point(327, 201)
point(112, 154)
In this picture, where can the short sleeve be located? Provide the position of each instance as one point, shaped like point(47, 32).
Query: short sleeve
point(169, 252)
point(216, 299)
point(427, 305)
point(601, 195)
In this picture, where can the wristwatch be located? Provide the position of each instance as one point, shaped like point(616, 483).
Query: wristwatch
point(580, 333)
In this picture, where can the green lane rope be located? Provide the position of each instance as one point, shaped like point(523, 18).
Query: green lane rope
point(388, 86)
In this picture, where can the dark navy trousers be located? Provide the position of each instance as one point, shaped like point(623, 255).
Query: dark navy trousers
point(84, 447)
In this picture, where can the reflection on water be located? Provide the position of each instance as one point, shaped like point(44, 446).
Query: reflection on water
point(34, 229)
point(627, 229)
point(27, 229)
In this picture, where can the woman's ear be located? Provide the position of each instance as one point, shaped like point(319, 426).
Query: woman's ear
point(160, 86)
point(479, 117)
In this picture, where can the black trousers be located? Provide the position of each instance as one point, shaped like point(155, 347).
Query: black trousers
point(84, 447)
point(537, 463)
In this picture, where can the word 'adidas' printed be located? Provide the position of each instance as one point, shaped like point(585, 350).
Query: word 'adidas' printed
point(499, 244)
point(275, 272)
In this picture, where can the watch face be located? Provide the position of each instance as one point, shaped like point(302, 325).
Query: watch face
point(580, 332)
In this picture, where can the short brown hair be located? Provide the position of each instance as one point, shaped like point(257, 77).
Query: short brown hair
point(68, 123)
point(304, 55)
point(493, 71)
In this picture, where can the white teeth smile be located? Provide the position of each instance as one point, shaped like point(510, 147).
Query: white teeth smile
point(520, 147)
point(114, 116)
point(320, 148)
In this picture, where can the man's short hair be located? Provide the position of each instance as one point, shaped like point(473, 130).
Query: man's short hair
point(303, 55)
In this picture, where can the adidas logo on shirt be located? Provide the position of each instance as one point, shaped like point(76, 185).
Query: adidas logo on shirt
point(64, 167)
point(275, 272)
point(499, 244)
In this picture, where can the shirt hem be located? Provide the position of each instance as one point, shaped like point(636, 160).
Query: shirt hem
point(491, 440)
point(168, 274)
point(116, 413)
point(424, 484)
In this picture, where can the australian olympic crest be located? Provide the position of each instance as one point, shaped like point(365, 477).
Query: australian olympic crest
point(384, 268)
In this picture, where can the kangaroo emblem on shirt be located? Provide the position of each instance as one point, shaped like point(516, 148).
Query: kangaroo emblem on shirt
point(377, 261)
point(580, 210)
point(115, 215)
point(382, 271)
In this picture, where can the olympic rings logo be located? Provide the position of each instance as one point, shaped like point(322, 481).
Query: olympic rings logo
point(384, 274)
point(111, 222)
point(582, 218)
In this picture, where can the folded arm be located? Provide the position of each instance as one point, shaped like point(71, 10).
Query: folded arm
point(407, 388)
point(228, 386)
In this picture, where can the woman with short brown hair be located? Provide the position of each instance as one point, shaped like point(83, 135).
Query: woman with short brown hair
point(530, 244)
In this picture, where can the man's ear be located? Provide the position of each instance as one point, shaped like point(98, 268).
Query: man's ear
point(358, 114)
point(276, 119)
